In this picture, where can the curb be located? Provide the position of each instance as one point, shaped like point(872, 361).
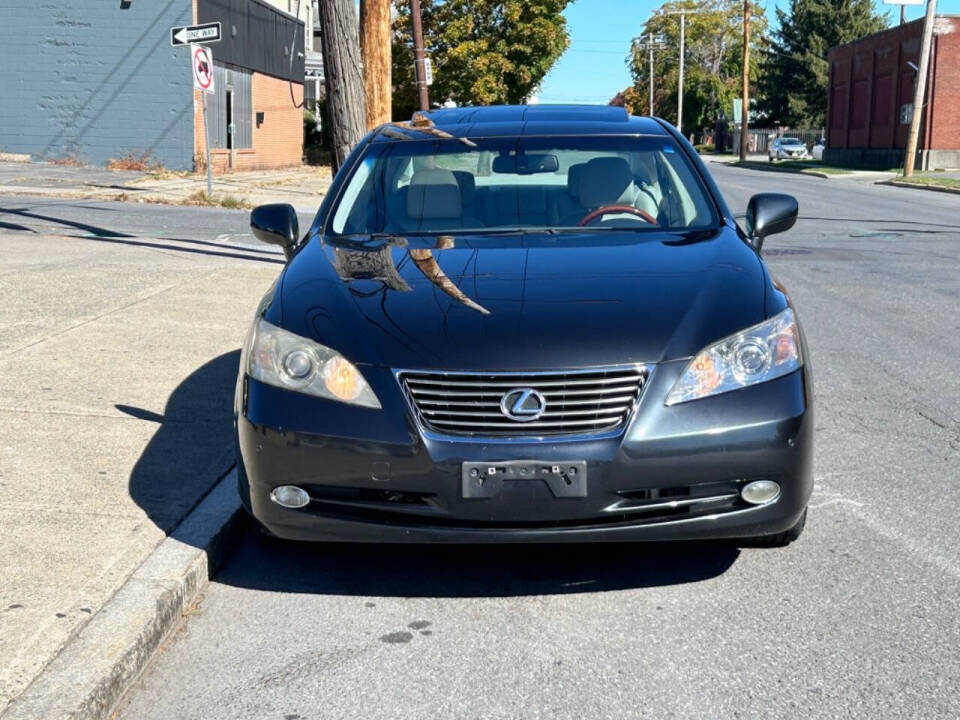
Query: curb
point(920, 186)
point(766, 167)
point(90, 675)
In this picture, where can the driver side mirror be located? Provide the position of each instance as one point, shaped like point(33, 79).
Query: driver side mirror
point(276, 224)
point(769, 214)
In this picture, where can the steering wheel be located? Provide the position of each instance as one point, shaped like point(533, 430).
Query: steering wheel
point(607, 209)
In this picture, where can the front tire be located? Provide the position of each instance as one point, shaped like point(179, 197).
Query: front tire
point(781, 539)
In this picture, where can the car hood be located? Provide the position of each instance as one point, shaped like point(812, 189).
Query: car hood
point(531, 301)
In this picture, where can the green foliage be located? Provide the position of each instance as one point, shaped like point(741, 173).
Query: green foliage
point(483, 51)
point(713, 69)
point(795, 78)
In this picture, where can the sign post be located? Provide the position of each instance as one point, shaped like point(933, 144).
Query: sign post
point(202, 64)
point(189, 34)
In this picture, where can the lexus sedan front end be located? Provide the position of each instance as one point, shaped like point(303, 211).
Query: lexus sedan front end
point(525, 324)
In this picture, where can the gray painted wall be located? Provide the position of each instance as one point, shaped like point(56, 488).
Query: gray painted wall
point(86, 78)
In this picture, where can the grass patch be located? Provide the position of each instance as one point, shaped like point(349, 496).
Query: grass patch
point(932, 180)
point(808, 167)
point(69, 160)
point(225, 201)
point(132, 161)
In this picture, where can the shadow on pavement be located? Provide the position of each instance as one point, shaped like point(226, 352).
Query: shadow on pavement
point(193, 447)
point(374, 570)
point(193, 444)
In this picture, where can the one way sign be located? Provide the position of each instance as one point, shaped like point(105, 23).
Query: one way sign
point(206, 33)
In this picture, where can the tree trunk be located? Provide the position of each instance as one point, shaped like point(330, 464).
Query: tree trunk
point(375, 46)
point(341, 67)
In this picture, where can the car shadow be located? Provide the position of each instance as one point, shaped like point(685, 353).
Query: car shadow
point(383, 570)
point(193, 445)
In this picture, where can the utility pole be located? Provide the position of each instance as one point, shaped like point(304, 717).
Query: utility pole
point(420, 59)
point(650, 46)
point(920, 89)
point(652, 43)
point(375, 50)
point(744, 112)
point(341, 63)
point(683, 23)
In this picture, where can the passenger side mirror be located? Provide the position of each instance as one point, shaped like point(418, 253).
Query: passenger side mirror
point(276, 224)
point(769, 214)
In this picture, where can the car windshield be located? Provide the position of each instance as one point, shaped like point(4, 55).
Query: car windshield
point(500, 184)
point(790, 141)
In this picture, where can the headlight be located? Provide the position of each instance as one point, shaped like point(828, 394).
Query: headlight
point(760, 353)
point(285, 360)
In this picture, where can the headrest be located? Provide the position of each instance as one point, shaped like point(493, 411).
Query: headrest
point(605, 181)
point(433, 194)
point(574, 173)
point(645, 167)
point(468, 186)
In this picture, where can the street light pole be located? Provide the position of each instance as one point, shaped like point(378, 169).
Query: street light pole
point(683, 18)
point(920, 89)
point(650, 46)
point(419, 56)
point(683, 23)
point(744, 112)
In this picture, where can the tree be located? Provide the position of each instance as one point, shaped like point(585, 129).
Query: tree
point(484, 52)
point(341, 62)
point(795, 73)
point(713, 60)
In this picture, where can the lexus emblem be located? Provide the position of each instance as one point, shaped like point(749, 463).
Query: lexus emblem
point(523, 404)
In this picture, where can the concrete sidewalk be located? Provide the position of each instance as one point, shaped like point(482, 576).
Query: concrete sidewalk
point(117, 365)
point(302, 187)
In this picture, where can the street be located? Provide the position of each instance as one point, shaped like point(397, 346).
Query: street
point(859, 618)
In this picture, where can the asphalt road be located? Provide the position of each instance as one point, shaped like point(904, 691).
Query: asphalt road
point(860, 618)
point(213, 231)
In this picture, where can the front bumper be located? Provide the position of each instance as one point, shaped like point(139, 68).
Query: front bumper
point(373, 477)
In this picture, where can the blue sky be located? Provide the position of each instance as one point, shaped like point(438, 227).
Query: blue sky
point(592, 70)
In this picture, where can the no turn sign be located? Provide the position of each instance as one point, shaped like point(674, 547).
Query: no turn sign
point(202, 62)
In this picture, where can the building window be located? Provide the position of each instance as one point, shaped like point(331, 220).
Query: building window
point(230, 109)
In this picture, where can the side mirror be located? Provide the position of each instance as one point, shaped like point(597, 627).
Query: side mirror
point(276, 224)
point(769, 214)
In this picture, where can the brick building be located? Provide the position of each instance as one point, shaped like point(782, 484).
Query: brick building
point(871, 98)
point(100, 80)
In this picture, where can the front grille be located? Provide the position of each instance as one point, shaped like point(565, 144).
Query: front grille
point(578, 402)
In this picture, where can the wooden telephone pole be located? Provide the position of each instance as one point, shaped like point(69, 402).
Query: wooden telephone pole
point(744, 112)
point(375, 49)
point(420, 58)
point(341, 64)
point(920, 89)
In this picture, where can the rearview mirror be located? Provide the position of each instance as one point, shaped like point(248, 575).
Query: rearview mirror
point(525, 164)
point(769, 214)
point(276, 224)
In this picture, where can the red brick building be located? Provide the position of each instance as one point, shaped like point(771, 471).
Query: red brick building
point(871, 98)
point(256, 114)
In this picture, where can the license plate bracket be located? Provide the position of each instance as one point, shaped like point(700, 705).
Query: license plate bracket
point(566, 479)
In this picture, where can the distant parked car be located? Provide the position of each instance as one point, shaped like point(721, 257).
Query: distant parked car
point(787, 148)
point(818, 148)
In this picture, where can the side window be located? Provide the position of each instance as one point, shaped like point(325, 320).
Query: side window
point(351, 215)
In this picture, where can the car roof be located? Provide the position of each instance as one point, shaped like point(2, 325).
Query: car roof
point(515, 120)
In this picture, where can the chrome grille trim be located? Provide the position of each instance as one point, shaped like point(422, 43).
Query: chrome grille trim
point(581, 404)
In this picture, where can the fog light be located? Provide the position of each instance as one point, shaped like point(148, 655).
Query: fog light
point(290, 496)
point(759, 492)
